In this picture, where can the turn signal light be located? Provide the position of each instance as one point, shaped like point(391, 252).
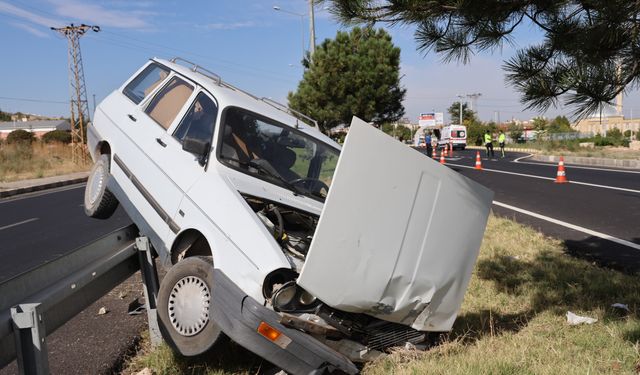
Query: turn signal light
point(269, 332)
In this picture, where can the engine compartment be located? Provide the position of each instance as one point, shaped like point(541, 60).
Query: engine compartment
point(359, 336)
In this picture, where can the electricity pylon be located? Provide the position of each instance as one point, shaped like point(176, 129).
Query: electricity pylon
point(79, 105)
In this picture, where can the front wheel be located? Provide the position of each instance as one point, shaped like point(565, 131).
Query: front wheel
point(184, 301)
point(99, 202)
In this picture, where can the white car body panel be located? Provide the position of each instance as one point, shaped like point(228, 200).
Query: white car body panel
point(446, 137)
point(386, 243)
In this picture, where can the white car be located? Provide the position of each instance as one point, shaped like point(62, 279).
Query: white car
point(308, 255)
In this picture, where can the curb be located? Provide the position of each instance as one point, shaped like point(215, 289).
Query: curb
point(34, 188)
point(592, 162)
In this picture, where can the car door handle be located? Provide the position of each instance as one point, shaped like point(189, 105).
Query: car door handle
point(132, 118)
point(160, 142)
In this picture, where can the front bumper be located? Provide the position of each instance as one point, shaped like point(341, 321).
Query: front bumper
point(239, 317)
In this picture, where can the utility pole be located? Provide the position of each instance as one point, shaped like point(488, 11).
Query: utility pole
point(79, 106)
point(474, 100)
point(460, 102)
point(312, 30)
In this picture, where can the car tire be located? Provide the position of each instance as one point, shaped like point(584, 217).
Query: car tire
point(183, 307)
point(99, 202)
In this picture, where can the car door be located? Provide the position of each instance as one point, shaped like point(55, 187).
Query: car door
point(154, 118)
point(181, 167)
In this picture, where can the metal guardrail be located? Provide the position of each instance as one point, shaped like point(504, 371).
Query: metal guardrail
point(35, 303)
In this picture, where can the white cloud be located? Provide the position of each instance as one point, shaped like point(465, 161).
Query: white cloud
point(30, 29)
point(99, 15)
point(228, 26)
point(29, 16)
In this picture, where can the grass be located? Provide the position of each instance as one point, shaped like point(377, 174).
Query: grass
point(572, 148)
point(25, 161)
point(512, 320)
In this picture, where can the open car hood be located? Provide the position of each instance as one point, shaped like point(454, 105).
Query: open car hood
point(398, 236)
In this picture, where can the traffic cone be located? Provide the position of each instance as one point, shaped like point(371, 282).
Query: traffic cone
point(442, 154)
point(561, 177)
point(451, 149)
point(445, 149)
point(478, 161)
point(434, 153)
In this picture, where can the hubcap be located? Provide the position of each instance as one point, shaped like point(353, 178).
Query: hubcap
point(95, 185)
point(189, 305)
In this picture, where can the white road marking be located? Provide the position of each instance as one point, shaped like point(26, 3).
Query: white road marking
point(570, 226)
point(42, 192)
point(550, 178)
point(18, 223)
point(572, 166)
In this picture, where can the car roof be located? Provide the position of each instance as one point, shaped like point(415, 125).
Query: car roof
point(233, 96)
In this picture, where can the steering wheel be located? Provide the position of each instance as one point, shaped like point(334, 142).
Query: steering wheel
point(311, 184)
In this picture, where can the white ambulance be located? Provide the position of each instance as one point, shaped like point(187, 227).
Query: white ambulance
point(455, 134)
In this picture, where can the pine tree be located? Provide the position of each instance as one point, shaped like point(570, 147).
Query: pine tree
point(355, 74)
point(589, 54)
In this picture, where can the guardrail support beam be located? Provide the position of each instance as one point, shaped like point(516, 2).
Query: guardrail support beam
point(29, 333)
point(151, 287)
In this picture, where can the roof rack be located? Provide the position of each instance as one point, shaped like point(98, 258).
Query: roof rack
point(218, 80)
point(288, 110)
point(197, 68)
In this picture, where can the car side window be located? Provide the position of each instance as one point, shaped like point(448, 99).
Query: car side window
point(169, 101)
point(145, 82)
point(199, 122)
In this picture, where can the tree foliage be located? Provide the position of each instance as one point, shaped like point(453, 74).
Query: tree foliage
point(355, 74)
point(467, 114)
point(60, 136)
point(590, 51)
point(4, 116)
point(20, 136)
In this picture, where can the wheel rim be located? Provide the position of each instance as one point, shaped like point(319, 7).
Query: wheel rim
point(189, 305)
point(95, 185)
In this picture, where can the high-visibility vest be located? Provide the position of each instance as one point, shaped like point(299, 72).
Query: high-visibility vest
point(487, 138)
point(501, 138)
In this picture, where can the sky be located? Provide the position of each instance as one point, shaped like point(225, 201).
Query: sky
point(248, 43)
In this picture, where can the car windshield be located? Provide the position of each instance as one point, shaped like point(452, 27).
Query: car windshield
point(268, 150)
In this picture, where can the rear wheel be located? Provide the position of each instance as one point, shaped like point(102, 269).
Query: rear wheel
point(184, 301)
point(99, 202)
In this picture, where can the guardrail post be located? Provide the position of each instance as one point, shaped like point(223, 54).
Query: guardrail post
point(150, 282)
point(29, 333)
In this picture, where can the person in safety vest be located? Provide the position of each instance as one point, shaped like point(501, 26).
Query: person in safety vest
point(488, 143)
point(501, 139)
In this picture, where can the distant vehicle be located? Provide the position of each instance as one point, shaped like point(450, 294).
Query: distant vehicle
point(307, 254)
point(456, 134)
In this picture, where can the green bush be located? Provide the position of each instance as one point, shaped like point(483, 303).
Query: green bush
point(638, 136)
point(60, 136)
point(20, 136)
point(627, 133)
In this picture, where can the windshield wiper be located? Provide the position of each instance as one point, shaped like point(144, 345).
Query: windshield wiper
point(261, 168)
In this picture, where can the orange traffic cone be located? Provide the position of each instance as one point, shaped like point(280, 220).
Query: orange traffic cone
point(451, 148)
point(445, 150)
point(478, 161)
point(442, 154)
point(561, 177)
point(434, 153)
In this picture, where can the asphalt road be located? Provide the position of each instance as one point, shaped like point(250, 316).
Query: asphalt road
point(39, 227)
point(599, 209)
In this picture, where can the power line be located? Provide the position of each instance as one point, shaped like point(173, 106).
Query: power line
point(34, 100)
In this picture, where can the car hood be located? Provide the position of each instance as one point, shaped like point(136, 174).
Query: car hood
point(398, 236)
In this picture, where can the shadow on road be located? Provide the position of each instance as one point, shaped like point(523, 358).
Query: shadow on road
point(606, 253)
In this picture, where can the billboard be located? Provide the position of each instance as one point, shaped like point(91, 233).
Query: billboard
point(431, 119)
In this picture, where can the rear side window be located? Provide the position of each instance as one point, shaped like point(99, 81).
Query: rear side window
point(169, 101)
point(199, 121)
point(145, 82)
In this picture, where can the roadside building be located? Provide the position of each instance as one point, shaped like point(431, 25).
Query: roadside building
point(602, 125)
point(37, 127)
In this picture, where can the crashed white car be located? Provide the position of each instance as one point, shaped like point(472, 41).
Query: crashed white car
point(309, 255)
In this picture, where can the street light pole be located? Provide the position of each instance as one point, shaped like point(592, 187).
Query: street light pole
point(460, 97)
point(275, 7)
point(312, 31)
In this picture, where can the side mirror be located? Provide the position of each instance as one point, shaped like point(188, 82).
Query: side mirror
point(198, 147)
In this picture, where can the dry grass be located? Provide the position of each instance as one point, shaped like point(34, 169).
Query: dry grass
point(512, 320)
point(600, 152)
point(24, 161)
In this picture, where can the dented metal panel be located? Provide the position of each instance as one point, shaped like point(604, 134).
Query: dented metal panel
point(398, 236)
